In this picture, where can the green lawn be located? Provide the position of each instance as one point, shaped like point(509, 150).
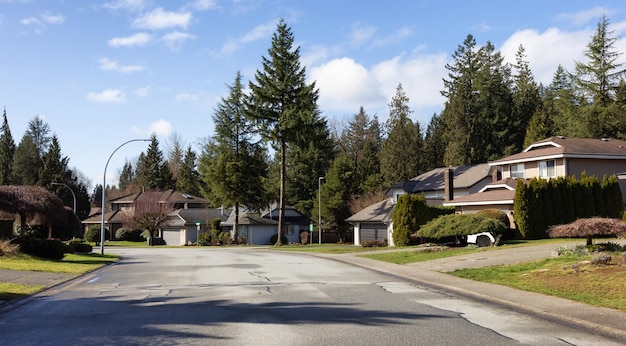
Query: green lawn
point(9, 291)
point(71, 264)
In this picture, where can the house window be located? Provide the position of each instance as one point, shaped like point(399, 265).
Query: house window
point(517, 170)
point(547, 169)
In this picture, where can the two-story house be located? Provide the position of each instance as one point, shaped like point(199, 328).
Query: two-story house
point(549, 158)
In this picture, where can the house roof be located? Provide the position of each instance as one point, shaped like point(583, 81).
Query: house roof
point(464, 177)
point(558, 147)
point(248, 217)
point(496, 196)
point(171, 196)
point(378, 212)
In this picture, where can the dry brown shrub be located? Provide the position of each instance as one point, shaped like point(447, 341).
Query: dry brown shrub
point(588, 228)
point(8, 249)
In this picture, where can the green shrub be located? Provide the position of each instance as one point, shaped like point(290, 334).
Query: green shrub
point(129, 234)
point(497, 215)
point(274, 238)
point(374, 243)
point(460, 225)
point(79, 246)
point(93, 235)
point(44, 248)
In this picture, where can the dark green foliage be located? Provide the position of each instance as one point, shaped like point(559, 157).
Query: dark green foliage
point(460, 225)
point(128, 234)
point(335, 193)
point(93, 235)
point(79, 246)
point(409, 214)
point(152, 171)
point(7, 152)
point(542, 203)
point(403, 140)
point(497, 215)
point(188, 179)
point(274, 238)
point(44, 248)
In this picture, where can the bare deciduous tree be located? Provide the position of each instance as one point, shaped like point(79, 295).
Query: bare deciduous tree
point(150, 213)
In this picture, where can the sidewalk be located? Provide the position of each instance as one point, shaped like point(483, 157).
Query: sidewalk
point(431, 274)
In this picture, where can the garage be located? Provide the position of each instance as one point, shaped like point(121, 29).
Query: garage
point(373, 231)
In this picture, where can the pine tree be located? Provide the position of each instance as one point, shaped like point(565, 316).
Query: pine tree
point(401, 156)
point(39, 132)
point(26, 163)
point(434, 145)
point(7, 152)
point(361, 142)
point(526, 102)
point(55, 166)
point(154, 174)
point(127, 176)
point(599, 80)
point(282, 104)
point(175, 154)
point(236, 172)
point(188, 177)
point(334, 194)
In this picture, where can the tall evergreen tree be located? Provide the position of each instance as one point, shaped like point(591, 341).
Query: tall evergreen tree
point(188, 180)
point(26, 163)
point(55, 165)
point(39, 132)
point(562, 105)
point(283, 104)
point(401, 156)
point(155, 173)
point(526, 101)
point(127, 176)
point(459, 115)
point(599, 80)
point(434, 145)
point(335, 193)
point(236, 173)
point(175, 154)
point(361, 142)
point(7, 152)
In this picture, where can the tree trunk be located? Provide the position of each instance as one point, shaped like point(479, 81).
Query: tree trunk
point(589, 241)
point(235, 224)
point(281, 203)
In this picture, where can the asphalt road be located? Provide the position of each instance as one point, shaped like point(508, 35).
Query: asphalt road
point(208, 296)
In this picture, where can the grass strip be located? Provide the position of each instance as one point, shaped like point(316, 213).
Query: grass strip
point(9, 291)
point(71, 264)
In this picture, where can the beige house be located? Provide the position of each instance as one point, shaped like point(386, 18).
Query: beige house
point(438, 186)
point(550, 158)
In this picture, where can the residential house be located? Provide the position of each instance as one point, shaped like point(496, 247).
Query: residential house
point(182, 227)
point(438, 186)
point(258, 227)
point(549, 158)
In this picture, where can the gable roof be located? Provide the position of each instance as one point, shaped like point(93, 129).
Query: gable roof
point(249, 217)
point(559, 147)
point(464, 177)
point(499, 192)
point(171, 196)
point(377, 212)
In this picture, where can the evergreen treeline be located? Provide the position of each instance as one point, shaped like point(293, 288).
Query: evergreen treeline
point(272, 144)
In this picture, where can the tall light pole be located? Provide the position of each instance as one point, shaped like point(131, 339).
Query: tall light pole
point(104, 189)
point(319, 206)
point(72, 191)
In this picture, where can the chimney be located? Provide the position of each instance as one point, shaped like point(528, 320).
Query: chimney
point(496, 175)
point(448, 185)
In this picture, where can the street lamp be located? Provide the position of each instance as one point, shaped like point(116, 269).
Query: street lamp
point(319, 206)
point(104, 189)
point(72, 191)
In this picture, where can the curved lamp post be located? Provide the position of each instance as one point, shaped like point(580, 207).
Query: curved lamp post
point(72, 191)
point(104, 184)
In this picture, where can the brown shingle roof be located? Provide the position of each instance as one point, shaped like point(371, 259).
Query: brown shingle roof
point(554, 147)
point(377, 212)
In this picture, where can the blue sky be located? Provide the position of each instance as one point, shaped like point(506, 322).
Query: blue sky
point(100, 73)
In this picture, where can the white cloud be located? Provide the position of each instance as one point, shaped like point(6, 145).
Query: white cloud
point(186, 97)
point(160, 127)
point(546, 50)
point(143, 92)
point(257, 33)
point(361, 33)
point(107, 96)
point(203, 5)
point(176, 38)
point(111, 65)
point(160, 19)
point(53, 19)
point(30, 21)
point(139, 39)
point(582, 17)
point(345, 85)
point(129, 5)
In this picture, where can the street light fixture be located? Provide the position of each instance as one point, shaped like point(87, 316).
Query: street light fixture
point(319, 206)
point(104, 184)
point(72, 191)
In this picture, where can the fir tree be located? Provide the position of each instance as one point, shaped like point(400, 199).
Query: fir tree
point(7, 152)
point(188, 177)
point(282, 104)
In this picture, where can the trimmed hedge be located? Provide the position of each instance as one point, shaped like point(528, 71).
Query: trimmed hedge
point(45, 248)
